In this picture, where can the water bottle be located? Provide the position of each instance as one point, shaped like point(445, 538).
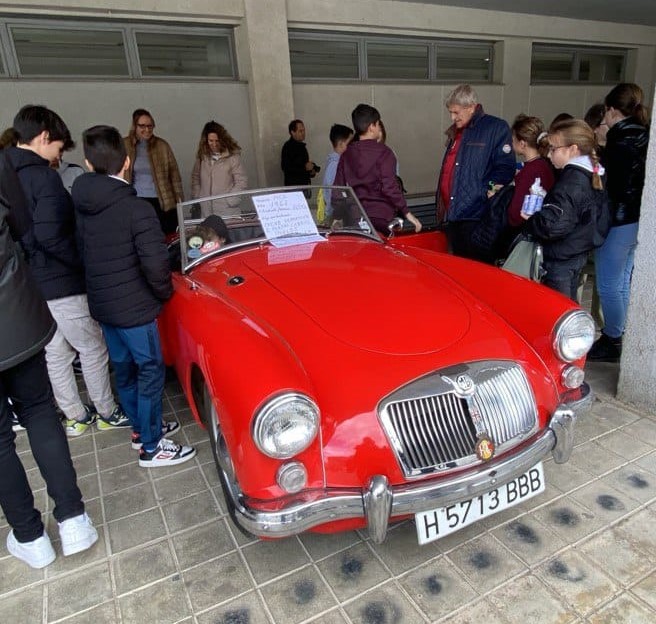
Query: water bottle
point(533, 201)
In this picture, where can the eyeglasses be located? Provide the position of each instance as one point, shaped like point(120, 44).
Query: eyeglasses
point(555, 148)
point(146, 126)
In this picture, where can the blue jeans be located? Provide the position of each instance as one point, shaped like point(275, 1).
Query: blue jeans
point(28, 387)
point(136, 356)
point(613, 266)
point(563, 275)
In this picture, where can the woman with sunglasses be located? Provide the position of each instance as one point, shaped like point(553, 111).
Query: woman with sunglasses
point(574, 210)
point(153, 169)
point(625, 156)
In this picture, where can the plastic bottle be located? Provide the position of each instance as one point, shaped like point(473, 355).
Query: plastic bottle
point(533, 201)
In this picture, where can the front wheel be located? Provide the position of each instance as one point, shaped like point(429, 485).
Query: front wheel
point(222, 459)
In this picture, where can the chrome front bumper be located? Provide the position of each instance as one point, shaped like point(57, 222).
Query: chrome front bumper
point(380, 501)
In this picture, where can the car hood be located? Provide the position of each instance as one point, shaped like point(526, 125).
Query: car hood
point(367, 295)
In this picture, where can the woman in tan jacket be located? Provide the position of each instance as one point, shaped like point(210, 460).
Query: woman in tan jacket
point(218, 169)
point(153, 169)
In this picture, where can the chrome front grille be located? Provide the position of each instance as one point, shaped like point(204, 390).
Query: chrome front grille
point(433, 423)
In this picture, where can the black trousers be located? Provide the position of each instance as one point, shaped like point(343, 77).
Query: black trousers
point(168, 219)
point(563, 275)
point(28, 387)
point(458, 235)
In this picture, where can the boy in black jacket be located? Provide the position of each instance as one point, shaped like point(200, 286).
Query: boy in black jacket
point(128, 279)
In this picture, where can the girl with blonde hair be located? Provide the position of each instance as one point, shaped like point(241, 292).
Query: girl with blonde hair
point(574, 218)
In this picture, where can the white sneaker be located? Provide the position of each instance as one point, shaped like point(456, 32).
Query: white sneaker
point(77, 534)
point(37, 554)
point(167, 453)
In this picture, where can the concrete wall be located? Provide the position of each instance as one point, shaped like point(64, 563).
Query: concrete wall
point(638, 367)
point(180, 110)
point(256, 111)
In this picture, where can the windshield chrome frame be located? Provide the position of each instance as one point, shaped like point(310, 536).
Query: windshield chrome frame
point(372, 234)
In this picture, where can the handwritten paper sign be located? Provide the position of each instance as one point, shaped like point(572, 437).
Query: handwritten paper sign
point(286, 219)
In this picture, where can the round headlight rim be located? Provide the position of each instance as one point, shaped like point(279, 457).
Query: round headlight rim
point(559, 328)
point(274, 403)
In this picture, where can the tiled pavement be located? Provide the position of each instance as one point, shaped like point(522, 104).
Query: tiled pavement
point(584, 551)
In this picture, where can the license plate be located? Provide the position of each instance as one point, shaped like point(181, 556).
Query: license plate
point(437, 523)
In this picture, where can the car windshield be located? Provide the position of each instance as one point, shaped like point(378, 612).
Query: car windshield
point(281, 217)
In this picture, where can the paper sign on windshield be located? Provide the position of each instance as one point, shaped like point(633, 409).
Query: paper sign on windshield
point(286, 219)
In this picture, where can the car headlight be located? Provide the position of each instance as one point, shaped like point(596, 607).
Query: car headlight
point(286, 425)
point(573, 335)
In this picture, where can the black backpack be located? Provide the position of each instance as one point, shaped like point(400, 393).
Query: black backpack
point(487, 235)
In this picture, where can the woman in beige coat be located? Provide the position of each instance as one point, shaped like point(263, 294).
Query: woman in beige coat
point(218, 169)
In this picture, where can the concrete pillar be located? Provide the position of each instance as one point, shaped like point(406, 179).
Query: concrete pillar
point(637, 382)
point(266, 46)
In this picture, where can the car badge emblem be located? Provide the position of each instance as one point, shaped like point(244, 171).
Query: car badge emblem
point(465, 384)
point(484, 447)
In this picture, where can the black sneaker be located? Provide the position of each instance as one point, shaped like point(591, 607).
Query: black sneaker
point(169, 427)
point(605, 349)
point(167, 453)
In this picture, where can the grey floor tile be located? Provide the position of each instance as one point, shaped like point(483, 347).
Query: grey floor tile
point(25, 607)
point(211, 474)
point(123, 477)
point(648, 462)
point(438, 588)
point(191, 511)
point(135, 530)
point(577, 581)
point(172, 487)
point(116, 456)
point(114, 437)
point(642, 429)
point(81, 445)
point(634, 481)
point(383, 604)
point(142, 566)
point(624, 445)
point(605, 501)
point(298, 597)
point(401, 550)
point(639, 530)
point(89, 486)
point(16, 574)
point(66, 598)
point(85, 465)
point(130, 501)
point(247, 609)
point(194, 433)
point(106, 613)
point(269, 559)
point(202, 543)
point(617, 556)
point(528, 601)
point(352, 572)
point(565, 477)
point(594, 459)
point(163, 603)
point(486, 563)
point(335, 616)
point(27, 459)
point(216, 581)
point(529, 539)
point(568, 519)
point(480, 612)
point(321, 545)
point(35, 479)
point(646, 589)
point(623, 610)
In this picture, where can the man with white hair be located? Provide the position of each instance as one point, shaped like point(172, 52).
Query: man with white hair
point(478, 160)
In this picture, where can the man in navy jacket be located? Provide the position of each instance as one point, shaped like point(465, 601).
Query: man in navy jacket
point(478, 160)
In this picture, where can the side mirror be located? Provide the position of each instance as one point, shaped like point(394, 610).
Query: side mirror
point(395, 225)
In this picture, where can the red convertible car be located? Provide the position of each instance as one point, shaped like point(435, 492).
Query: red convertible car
point(348, 379)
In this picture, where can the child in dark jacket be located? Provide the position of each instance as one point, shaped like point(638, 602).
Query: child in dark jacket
point(575, 217)
point(128, 279)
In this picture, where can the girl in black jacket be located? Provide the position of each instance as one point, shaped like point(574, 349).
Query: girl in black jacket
point(624, 157)
point(574, 210)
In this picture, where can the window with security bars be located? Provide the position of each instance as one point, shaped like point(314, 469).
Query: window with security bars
point(577, 64)
point(334, 56)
